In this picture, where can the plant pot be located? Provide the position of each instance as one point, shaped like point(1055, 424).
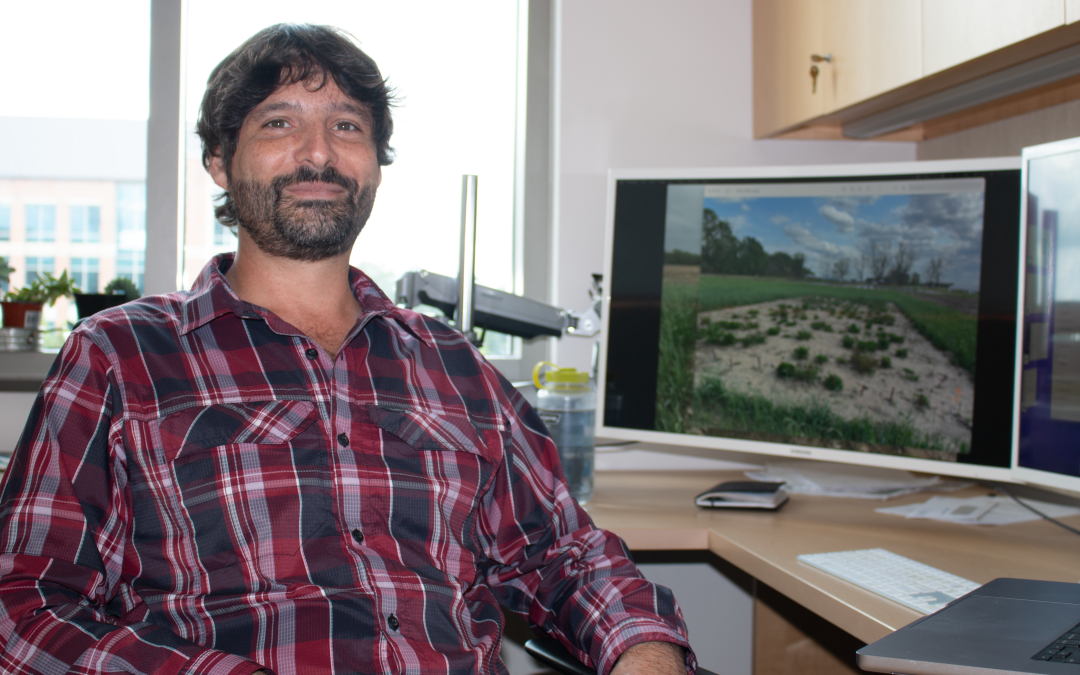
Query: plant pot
point(19, 340)
point(22, 315)
point(89, 304)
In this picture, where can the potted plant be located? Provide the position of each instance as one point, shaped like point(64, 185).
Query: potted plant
point(117, 292)
point(22, 307)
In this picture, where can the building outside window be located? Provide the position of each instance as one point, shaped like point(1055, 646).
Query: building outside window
point(85, 273)
point(61, 163)
point(5, 222)
point(131, 263)
point(131, 231)
point(224, 236)
point(41, 222)
point(86, 224)
point(4, 284)
point(37, 265)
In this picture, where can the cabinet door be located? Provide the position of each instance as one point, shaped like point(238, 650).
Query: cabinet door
point(955, 31)
point(875, 47)
point(786, 33)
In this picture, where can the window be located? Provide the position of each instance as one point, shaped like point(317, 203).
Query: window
point(130, 264)
point(36, 266)
point(224, 237)
point(86, 224)
point(448, 123)
point(74, 143)
point(131, 231)
point(40, 222)
point(85, 273)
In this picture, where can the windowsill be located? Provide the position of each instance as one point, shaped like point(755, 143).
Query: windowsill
point(25, 371)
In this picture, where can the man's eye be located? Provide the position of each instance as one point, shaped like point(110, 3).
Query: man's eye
point(347, 126)
point(277, 124)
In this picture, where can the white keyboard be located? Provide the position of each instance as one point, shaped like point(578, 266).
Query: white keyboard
point(921, 587)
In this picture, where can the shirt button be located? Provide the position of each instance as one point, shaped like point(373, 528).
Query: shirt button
point(392, 622)
point(343, 439)
point(358, 536)
point(311, 354)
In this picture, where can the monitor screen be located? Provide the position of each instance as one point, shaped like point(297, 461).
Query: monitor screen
point(843, 313)
point(1048, 355)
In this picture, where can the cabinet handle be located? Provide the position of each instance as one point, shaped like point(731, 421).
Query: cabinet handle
point(818, 58)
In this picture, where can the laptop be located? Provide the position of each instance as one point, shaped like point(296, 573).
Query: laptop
point(1006, 626)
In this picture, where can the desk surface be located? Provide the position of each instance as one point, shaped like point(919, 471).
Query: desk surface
point(655, 511)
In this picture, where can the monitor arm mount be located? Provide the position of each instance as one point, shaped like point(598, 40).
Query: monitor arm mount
point(488, 308)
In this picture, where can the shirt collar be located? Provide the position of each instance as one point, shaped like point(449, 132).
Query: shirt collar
point(212, 296)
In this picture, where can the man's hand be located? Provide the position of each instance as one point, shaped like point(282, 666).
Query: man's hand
point(662, 658)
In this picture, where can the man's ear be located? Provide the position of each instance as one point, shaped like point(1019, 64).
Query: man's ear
point(217, 171)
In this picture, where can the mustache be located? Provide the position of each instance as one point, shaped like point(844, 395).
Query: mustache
point(306, 174)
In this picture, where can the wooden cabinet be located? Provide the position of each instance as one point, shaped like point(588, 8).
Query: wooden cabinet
point(955, 31)
point(786, 33)
point(885, 54)
point(875, 47)
point(872, 47)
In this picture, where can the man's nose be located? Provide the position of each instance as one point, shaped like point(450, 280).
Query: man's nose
point(316, 148)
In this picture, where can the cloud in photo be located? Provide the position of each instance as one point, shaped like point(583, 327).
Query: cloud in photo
point(960, 213)
point(842, 220)
point(807, 240)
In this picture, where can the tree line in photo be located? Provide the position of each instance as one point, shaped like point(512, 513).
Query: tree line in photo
point(882, 263)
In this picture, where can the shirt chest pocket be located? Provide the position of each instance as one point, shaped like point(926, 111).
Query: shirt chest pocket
point(434, 470)
point(252, 483)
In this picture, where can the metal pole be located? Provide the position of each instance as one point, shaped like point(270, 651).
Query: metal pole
point(467, 261)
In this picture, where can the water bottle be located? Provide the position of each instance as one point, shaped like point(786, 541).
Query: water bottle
point(566, 402)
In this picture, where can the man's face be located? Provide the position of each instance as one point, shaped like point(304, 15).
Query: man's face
point(305, 171)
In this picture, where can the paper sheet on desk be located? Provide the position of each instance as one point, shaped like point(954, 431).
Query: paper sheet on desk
point(979, 510)
point(858, 482)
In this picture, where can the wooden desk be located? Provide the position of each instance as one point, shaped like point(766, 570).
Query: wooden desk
point(655, 511)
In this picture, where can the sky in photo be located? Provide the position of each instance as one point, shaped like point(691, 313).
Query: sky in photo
point(826, 229)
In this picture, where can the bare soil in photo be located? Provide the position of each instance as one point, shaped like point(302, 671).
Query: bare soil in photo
point(921, 386)
point(685, 275)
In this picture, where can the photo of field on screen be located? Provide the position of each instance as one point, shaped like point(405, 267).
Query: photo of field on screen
point(836, 313)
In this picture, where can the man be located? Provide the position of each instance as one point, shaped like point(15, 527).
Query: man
point(280, 470)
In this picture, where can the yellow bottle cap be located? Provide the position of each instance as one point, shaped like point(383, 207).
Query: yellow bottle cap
point(557, 375)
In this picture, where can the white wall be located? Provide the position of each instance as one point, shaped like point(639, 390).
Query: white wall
point(644, 84)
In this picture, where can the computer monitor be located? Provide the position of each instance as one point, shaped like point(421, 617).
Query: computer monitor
point(843, 313)
point(1047, 441)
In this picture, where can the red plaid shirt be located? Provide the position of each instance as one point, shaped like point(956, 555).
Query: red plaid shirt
point(201, 488)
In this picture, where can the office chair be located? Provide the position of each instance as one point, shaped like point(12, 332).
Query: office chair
point(549, 652)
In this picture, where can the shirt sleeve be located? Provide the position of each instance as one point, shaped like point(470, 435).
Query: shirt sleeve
point(65, 516)
point(549, 563)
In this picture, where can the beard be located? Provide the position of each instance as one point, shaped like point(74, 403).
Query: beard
point(298, 229)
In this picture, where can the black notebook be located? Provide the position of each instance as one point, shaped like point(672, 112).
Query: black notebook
point(743, 494)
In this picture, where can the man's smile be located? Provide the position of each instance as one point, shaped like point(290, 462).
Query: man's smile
point(316, 190)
